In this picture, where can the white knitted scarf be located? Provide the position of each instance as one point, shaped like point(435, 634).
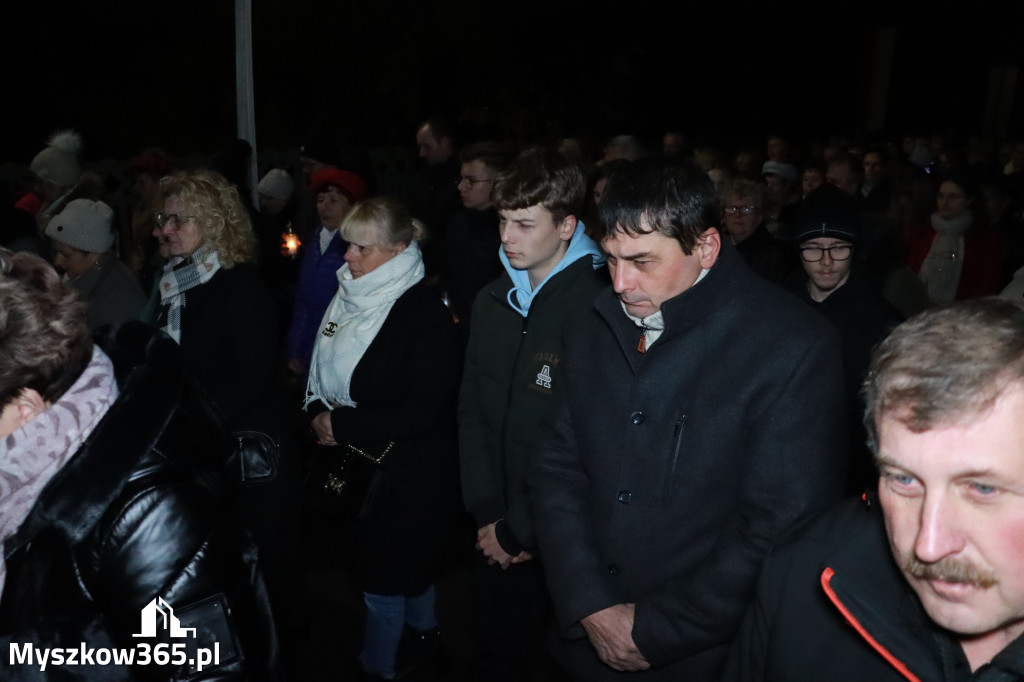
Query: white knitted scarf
point(32, 455)
point(941, 268)
point(352, 321)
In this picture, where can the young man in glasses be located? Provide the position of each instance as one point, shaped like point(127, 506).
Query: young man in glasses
point(828, 226)
point(471, 240)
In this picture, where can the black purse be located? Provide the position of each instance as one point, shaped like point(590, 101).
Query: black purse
point(343, 481)
point(254, 459)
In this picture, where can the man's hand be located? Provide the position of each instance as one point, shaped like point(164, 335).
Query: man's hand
point(611, 632)
point(321, 426)
point(487, 542)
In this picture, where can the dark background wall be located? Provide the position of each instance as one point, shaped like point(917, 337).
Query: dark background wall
point(128, 74)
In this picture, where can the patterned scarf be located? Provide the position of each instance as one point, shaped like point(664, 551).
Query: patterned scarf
point(32, 455)
point(180, 276)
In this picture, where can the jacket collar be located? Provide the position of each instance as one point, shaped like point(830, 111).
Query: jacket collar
point(866, 586)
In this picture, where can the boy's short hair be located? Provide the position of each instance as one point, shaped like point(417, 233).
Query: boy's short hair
point(542, 177)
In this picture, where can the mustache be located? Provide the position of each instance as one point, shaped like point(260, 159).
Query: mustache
point(948, 569)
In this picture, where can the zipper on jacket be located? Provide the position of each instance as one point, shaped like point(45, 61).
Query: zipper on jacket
point(677, 436)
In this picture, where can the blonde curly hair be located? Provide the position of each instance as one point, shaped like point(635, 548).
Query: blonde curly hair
point(222, 219)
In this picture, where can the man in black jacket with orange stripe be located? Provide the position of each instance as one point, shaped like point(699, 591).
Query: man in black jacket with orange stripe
point(927, 583)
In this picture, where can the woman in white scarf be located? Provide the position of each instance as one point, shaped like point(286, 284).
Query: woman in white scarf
point(964, 258)
point(384, 379)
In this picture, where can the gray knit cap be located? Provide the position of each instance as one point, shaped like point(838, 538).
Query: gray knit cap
point(85, 225)
point(58, 163)
point(277, 183)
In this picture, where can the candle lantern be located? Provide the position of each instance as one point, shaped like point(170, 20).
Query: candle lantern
point(290, 243)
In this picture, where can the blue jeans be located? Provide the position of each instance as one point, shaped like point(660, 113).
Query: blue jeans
point(386, 617)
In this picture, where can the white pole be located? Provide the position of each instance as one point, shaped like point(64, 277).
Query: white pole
point(245, 98)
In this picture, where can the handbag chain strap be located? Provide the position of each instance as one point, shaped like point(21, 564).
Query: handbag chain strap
point(366, 455)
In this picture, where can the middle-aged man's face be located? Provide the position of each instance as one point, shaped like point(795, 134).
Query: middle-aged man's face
point(475, 185)
point(953, 499)
point(841, 175)
point(432, 150)
point(873, 168)
point(649, 269)
point(741, 217)
point(828, 273)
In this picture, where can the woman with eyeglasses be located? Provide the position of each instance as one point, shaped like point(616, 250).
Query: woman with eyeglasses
point(743, 222)
point(215, 305)
point(382, 384)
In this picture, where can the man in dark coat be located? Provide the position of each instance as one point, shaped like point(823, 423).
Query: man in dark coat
point(925, 582)
point(513, 370)
point(702, 416)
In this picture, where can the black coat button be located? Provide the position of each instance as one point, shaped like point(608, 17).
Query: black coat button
point(637, 418)
point(625, 496)
point(613, 569)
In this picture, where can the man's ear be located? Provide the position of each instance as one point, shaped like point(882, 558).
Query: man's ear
point(708, 247)
point(568, 228)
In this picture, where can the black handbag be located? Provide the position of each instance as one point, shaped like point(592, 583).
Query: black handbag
point(343, 481)
point(254, 459)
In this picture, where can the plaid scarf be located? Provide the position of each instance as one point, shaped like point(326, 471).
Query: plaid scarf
point(179, 277)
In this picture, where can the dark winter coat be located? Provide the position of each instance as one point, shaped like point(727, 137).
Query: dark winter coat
point(670, 473)
point(229, 337)
point(513, 364)
point(767, 256)
point(863, 319)
point(833, 605)
point(137, 513)
point(405, 391)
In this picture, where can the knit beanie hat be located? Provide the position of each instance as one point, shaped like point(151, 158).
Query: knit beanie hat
point(828, 212)
point(277, 184)
point(85, 225)
point(786, 171)
point(58, 163)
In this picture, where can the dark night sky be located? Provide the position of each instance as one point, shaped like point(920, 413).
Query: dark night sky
point(130, 74)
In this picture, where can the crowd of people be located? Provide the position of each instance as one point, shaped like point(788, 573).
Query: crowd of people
point(625, 387)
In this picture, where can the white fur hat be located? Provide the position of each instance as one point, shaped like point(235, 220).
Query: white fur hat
point(85, 225)
point(58, 163)
point(277, 183)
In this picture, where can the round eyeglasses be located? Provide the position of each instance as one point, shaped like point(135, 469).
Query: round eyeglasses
point(813, 254)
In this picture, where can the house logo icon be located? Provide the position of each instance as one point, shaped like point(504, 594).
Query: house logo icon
point(159, 610)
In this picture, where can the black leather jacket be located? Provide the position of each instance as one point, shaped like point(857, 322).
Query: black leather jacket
point(138, 513)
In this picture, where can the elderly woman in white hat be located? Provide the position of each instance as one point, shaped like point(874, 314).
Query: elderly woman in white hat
point(82, 237)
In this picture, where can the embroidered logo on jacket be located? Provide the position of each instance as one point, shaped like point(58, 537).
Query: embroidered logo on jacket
point(544, 377)
point(330, 329)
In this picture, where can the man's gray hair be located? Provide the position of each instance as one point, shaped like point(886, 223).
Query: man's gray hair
point(946, 365)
